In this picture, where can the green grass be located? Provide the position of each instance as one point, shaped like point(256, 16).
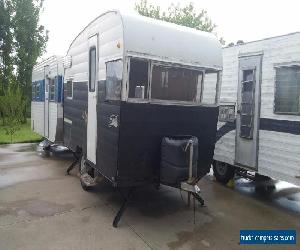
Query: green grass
point(25, 134)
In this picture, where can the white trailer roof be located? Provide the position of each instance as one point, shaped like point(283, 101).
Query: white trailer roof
point(55, 67)
point(163, 41)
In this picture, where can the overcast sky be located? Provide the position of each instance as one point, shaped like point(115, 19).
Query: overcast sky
point(235, 19)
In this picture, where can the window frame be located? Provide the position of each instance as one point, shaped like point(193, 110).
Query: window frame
point(181, 66)
point(242, 90)
point(93, 48)
point(50, 92)
point(218, 86)
point(122, 80)
point(47, 84)
point(132, 99)
point(171, 65)
point(72, 88)
point(38, 90)
point(33, 91)
point(152, 62)
point(278, 66)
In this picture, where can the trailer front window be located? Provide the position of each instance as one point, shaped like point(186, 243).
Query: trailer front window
point(178, 84)
point(210, 85)
point(138, 79)
point(114, 71)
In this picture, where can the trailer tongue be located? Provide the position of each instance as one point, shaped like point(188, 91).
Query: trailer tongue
point(178, 168)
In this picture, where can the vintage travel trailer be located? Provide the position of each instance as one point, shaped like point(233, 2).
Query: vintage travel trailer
point(259, 121)
point(131, 81)
point(47, 99)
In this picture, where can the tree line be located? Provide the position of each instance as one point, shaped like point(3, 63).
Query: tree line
point(22, 41)
point(187, 15)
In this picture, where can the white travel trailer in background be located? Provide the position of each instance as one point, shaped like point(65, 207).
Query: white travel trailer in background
point(259, 117)
point(47, 99)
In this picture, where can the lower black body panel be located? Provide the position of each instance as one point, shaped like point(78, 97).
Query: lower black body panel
point(74, 110)
point(108, 139)
point(142, 127)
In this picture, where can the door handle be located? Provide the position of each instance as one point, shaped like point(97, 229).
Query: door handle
point(238, 111)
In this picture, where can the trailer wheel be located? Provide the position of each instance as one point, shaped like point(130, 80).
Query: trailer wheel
point(223, 171)
point(264, 184)
point(46, 152)
point(86, 175)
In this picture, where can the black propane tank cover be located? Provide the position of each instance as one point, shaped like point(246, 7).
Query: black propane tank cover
point(174, 163)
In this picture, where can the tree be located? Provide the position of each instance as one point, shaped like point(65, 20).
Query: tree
point(186, 16)
point(30, 40)
point(6, 46)
point(12, 105)
point(22, 41)
point(6, 51)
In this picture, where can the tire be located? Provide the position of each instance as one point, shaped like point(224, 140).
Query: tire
point(259, 177)
point(83, 170)
point(45, 147)
point(264, 185)
point(46, 153)
point(223, 171)
point(265, 190)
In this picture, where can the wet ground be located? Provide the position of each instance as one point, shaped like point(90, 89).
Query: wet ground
point(42, 208)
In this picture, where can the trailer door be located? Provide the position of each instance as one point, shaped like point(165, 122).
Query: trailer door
point(92, 99)
point(248, 111)
point(46, 101)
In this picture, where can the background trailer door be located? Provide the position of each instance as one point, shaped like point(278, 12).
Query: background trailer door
point(248, 109)
point(46, 102)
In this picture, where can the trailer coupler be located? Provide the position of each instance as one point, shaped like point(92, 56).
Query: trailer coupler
point(193, 190)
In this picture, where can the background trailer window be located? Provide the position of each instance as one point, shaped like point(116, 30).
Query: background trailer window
point(33, 91)
point(52, 89)
point(178, 84)
point(37, 90)
point(287, 94)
